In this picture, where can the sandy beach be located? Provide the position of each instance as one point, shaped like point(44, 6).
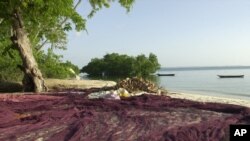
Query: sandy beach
point(85, 84)
point(55, 84)
point(58, 84)
point(206, 98)
point(77, 84)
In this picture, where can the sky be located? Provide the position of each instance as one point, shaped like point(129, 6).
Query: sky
point(180, 32)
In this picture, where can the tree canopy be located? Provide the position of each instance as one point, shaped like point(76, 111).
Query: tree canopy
point(27, 25)
point(115, 64)
point(47, 21)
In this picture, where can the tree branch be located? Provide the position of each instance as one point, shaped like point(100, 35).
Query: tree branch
point(66, 19)
point(41, 46)
point(38, 31)
point(61, 24)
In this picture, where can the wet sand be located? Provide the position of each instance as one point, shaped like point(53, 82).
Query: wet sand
point(206, 98)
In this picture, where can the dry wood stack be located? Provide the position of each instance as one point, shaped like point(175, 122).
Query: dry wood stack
point(137, 84)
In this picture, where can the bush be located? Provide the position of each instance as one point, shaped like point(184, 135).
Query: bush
point(52, 67)
point(122, 65)
point(8, 66)
point(49, 63)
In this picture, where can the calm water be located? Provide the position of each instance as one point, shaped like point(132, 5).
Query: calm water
point(205, 81)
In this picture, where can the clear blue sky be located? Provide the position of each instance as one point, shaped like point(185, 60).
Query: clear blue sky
point(179, 32)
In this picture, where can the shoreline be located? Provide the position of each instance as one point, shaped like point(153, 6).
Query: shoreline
point(55, 84)
point(173, 94)
point(206, 98)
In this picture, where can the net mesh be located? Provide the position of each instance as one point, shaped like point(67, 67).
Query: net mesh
point(73, 117)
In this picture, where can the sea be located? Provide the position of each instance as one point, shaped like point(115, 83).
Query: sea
point(203, 81)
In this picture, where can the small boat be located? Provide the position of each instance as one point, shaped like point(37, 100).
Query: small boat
point(231, 76)
point(171, 74)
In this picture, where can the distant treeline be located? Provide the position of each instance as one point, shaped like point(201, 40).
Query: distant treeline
point(115, 64)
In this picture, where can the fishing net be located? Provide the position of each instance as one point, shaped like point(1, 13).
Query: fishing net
point(70, 116)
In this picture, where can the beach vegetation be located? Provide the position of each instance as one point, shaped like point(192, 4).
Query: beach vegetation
point(50, 64)
point(115, 64)
point(27, 26)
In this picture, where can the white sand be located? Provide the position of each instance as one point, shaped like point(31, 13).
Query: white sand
point(83, 84)
point(205, 98)
point(53, 83)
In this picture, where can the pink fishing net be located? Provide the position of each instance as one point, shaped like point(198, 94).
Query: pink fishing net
point(72, 117)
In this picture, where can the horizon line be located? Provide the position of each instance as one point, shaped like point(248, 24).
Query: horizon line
point(225, 66)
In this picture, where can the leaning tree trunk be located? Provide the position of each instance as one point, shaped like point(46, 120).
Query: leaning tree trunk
point(33, 80)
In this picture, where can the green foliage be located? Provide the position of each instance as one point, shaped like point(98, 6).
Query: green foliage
point(99, 4)
point(50, 64)
point(8, 66)
point(116, 64)
point(52, 67)
point(46, 22)
point(150, 63)
point(9, 58)
point(122, 65)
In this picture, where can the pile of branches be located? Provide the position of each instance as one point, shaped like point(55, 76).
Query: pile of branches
point(137, 84)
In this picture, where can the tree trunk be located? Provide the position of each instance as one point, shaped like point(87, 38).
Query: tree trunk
point(33, 80)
